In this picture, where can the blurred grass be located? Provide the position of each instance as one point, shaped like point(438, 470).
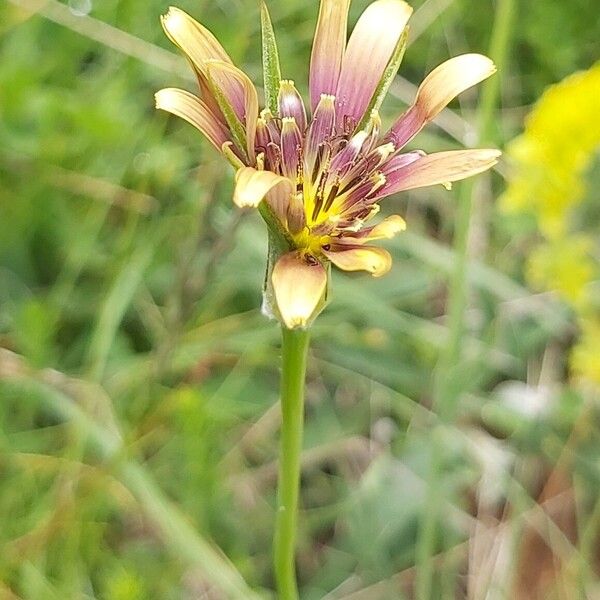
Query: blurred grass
point(139, 381)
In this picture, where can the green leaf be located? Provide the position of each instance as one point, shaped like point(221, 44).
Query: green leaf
point(386, 79)
point(270, 59)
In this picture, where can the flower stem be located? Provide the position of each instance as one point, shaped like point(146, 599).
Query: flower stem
point(294, 350)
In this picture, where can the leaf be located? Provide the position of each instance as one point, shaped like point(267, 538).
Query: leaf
point(270, 59)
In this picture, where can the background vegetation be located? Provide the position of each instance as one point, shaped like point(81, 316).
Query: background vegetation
point(138, 380)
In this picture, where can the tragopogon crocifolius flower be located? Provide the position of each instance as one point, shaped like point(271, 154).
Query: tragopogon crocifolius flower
point(318, 175)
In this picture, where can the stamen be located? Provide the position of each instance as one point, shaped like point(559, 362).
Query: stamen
point(353, 183)
point(349, 125)
point(318, 161)
point(319, 199)
point(300, 170)
point(331, 197)
point(273, 154)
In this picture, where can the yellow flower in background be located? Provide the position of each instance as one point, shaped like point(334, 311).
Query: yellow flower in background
point(585, 358)
point(561, 136)
point(565, 265)
point(549, 162)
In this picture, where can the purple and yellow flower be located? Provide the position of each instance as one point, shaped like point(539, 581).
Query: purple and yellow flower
point(318, 175)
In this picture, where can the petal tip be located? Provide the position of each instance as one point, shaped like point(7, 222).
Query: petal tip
point(161, 99)
point(492, 155)
point(251, 186)
point(376, 261)
point(173, 18)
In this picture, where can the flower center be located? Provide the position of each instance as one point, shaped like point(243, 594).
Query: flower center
point(310, 242)
point(335, 171)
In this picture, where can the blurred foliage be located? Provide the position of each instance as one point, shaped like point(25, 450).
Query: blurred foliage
point(138, 380)
point(552, 160)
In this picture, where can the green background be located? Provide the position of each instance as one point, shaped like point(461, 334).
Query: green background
point(138, 379)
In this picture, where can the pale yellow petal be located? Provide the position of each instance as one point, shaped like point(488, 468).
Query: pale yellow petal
point(437, 90)
point(197, 42)
point(376, 261)
point(451, 78)
point(387, 229)
point(194, 111)
point(299, 285)
point(251, 186)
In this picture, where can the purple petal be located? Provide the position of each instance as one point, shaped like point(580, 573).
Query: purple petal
point(263, 137)
point(321, 129)
point(344, 159)
point(291, 146)
point(369, 50)
point(291, 104)
point(328, 49)
point(437, 168)
point(401, 160)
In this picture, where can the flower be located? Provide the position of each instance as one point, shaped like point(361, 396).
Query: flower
point(318, 176)
point(550, 158)
point(585, 358)
point(566, 266)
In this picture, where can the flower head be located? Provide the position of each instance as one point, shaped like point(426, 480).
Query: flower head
point(318, 175)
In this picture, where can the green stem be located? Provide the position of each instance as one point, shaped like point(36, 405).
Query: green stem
point(448, 390)
point(294, 350)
